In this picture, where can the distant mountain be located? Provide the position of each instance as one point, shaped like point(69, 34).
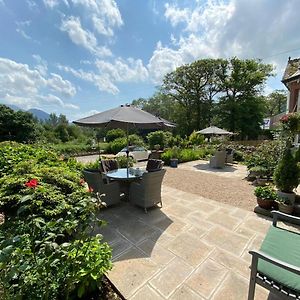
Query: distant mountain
point(14, 107)
point(39, 114)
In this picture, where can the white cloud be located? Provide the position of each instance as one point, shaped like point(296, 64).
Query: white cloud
point(21, 25)
point(42, 65)
point(111, 73)
point(104, 14)
point(176, 15)
point(81, 37)
point(53, 3)
point(217, 28)
point(58, 84)
point(121, 70)
point(19, 84)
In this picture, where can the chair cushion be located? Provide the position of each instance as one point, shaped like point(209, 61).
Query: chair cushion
point(154, 165)
point(285, 246)
point(109, 165)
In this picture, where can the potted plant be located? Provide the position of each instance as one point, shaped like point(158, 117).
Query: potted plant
point(285, 205)
point(175, 156)
point(265, 196)
point(286, 176)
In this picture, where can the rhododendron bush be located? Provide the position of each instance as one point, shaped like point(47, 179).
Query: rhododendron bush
point(47, 246)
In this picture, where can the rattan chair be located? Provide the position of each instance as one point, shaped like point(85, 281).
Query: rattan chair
point(147, 192)
point(218, 160)
point(154, 165)
point(110, 191)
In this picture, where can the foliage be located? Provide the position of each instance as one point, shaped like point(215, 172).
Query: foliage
point(265, 192)
point(47, 246)
point(118, 144)
point(284, 201)
point(159, 137)
point(122, 161)
point(196, 138)
point(194, 87)
point(185, 155)
point(286, 175)
point(17, 125)
point(290, 126)
point(276, 102)
point(265, 156)
point(113, 134)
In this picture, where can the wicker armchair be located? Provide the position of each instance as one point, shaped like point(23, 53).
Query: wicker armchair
point(147, 192)
point(218, 160)
point(154, 165)
point(110, 191)
point(109, 165)
point(276, 266)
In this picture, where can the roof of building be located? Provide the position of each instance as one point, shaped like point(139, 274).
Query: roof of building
point(292, 70)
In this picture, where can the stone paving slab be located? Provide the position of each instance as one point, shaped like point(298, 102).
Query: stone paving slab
point(192, 248)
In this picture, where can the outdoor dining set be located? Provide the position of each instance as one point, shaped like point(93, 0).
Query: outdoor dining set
point(139, 187)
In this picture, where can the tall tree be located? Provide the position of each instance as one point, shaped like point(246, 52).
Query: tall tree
point(276, 102)
point(241, 83)
point(194, 87)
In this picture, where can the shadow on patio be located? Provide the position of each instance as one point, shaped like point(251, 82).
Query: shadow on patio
point(206, 167)
point(128, 226)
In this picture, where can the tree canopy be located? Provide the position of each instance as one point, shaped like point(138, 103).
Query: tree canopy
point(17, 126)
point(225, 93)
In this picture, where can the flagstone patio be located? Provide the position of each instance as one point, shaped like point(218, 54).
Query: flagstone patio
point(192, 248)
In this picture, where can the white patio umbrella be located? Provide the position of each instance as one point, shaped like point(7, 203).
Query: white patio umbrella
point(125, 117)
point(214, 130)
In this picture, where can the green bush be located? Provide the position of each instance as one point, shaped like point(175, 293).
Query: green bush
point(266, 155)
point(286, 175)
point(47, 246)
point(159, 137)
point(265, 192)
point(196, 138)
point(118, 144)
point(122, 161)
point(113, 134)
point(185, 155)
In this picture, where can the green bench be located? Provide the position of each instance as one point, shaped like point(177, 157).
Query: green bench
point(276, 266)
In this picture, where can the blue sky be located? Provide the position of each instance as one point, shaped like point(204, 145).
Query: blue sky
point(78, 57)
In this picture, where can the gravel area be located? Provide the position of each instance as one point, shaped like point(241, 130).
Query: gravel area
point(234, 191)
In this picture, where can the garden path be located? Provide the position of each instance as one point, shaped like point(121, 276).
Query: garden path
point(192, 248)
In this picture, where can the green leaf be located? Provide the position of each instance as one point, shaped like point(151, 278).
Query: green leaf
point(81, 291)
point(26, 198)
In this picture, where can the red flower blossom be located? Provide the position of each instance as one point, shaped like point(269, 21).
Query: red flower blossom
point(91, 190)
point(32, 183)
point(81, 181)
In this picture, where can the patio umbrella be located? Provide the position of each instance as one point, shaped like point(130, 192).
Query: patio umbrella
point(125, 117)
point(214, 130)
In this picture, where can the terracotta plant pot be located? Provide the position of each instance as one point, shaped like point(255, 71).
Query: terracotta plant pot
point(287, 209)
point(265, 203)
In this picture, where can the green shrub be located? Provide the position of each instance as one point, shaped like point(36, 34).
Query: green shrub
point(238, 155)
point(159, 137)
point(185, 155)
point(265, 192)
point(286, 175)
point(266, 155)
point(47, 246)
point(113, 134)
point(122, 161)
point(196, 138)
point(118, 144)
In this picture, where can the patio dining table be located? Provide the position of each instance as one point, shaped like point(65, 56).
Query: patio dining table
point(125, 177)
